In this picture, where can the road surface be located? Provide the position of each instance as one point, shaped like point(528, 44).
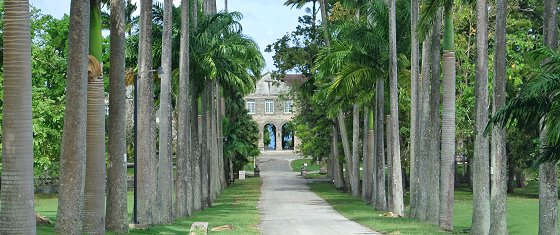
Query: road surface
point(288, 207)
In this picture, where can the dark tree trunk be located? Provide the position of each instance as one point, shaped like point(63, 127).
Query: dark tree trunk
point(511, 175)
point(520, 179)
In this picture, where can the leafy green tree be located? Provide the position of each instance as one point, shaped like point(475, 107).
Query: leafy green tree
point(241, 133)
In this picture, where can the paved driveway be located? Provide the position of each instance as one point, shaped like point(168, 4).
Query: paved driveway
point(288, 207)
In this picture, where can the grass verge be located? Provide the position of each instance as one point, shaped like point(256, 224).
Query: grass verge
point(296, 165)
point(237, 206)
point(522, 212)
point(357, 210)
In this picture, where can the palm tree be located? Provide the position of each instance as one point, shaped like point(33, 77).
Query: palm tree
point(380, 195)
point(481, 166)
point(116, 211)
point(548, 175)
point(340, 115)
point(414, 103)
point(534, 106)
point(355, 166)
point(396, 177)
point(367, 177)
point(95, 184)
point(432, 210)
point(183, 200)
point(147, 162)
point(223, 55)
point(448, 108)
point(165, 164)
point(198, 199)
point(498, 221)
point(389, 154)
point(73, 151)
point(425, 129)
point(17, 195)
point(94, 200)
point(338, 173)
point(354, 63)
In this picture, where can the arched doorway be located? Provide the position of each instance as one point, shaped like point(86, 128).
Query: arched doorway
point(269, 136)
point(287, 137)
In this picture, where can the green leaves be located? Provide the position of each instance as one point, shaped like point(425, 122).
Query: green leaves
point(538, 102)
point(241, 133)
point(220, 51)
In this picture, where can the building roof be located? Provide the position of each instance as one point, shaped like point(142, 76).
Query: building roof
point(267, 86)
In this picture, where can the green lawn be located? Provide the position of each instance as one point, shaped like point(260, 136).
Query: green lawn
point(237, 206)
point(296, 165)
point(522, 209)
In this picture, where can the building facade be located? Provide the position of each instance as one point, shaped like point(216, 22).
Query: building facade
point(272, 110)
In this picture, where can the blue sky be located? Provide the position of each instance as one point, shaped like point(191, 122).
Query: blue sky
point(264, 20)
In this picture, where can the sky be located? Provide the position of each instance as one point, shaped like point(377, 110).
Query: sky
point(263, 20)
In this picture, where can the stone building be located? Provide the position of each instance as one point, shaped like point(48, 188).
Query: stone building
point(272, 109)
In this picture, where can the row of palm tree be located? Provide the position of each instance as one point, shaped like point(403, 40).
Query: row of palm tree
point(350, 71)
point(213, 51)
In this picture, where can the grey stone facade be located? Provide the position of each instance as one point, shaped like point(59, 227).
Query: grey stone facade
point(267, 89)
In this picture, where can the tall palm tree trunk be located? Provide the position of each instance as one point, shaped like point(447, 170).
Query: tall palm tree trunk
point(147, 160)
point(389, 138)
point(345, 148)
point(425, 128)
point(432, 211)
point(196, 134)
point(397, 187)
point(355, 166)
point(215, 140)
point(195, 152)
point(366, 172)
point(414, 104)
point(380, 196)
point(94, 191)
point(17, 196)
point(209, 138)
point(481, 165)
point(183, 182)
point(370, 156)
point(447, 123)
point(204, 150)
point(498, 221)
point(73, 150)
point(338, 174)
point(165, 165)
point(116, 210)
point(548, 175)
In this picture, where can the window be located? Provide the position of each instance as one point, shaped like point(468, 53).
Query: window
point(288, 106)
point(251, 106)
point(269, 106)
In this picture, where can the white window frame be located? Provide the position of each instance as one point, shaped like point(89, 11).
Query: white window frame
point(269, 106)
point(251, 106)
point(288, 106)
